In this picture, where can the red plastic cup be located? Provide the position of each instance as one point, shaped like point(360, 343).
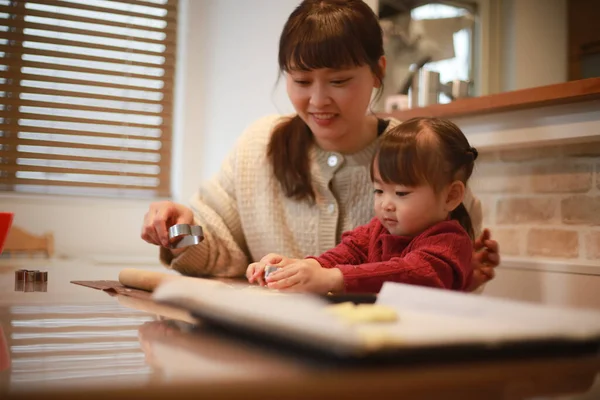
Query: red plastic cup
point(6, 219)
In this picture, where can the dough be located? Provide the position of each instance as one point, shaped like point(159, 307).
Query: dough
point(363, 313)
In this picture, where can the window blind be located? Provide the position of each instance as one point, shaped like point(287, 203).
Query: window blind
point(86, 96)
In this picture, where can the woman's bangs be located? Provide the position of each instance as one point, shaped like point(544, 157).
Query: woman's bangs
point(328, 46)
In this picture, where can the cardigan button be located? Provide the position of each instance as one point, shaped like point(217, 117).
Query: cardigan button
point(332, 160)
point(331, 208)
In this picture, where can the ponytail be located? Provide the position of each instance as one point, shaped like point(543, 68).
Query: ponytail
point(288, 154)
point(461, 214)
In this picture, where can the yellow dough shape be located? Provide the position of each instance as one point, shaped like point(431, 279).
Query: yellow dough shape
point(351, 313)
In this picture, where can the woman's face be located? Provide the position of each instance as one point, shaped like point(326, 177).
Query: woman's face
point(333, 103)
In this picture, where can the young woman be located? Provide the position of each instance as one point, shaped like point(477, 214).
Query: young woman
point(293, 184)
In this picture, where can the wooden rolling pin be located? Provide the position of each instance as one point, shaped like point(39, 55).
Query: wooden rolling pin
point(149, 280)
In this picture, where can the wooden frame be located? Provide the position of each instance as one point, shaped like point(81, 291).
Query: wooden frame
point(20, 241)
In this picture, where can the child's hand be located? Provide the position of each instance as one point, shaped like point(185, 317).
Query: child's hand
point(306, 276)
point(255, 271)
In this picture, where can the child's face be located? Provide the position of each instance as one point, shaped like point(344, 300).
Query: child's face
point(407, 211)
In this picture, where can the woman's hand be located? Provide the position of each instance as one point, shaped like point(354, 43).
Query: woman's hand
point(306, 276)
point(160, 217)
point(255, 271)
point(486, 257)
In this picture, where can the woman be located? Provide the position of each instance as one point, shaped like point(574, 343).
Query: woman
point(292, 185)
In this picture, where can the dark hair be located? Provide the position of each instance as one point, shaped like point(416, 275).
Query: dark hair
point(318, 34)
point(430, 151)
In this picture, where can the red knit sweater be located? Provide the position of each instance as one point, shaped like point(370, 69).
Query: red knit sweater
point(369, 255)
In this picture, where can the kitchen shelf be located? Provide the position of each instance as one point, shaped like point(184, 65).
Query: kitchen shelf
point(561, 93)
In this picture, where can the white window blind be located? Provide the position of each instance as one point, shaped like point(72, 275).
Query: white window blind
point(86, 96)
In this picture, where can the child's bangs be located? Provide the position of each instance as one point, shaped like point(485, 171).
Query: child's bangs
point(408, 156)
point(398, 162)
point(321, 44)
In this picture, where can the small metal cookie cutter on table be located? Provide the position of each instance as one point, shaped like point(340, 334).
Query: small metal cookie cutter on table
point(183, 235)
point(269, 269)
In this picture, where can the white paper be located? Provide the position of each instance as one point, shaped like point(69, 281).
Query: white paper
point(427, 317)
point(300, 317)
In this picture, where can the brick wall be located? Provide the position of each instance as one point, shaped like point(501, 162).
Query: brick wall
point(543, 203)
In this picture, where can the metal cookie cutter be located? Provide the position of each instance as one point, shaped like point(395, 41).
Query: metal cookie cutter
point(183, 235)
point(31, 281)
point(269, 269)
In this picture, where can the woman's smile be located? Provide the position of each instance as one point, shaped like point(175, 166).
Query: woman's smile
point(323, 119)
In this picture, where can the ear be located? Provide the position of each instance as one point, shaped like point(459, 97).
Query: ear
point(382, 64)
point(454, 195)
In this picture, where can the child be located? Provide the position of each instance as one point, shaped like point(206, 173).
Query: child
point(421, 233)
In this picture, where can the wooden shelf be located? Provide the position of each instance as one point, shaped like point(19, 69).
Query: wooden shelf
point(562, 93)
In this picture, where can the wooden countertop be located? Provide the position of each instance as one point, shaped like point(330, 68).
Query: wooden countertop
point(561, 93)
point(72, 341)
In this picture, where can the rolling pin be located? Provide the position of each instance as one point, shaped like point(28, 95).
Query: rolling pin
point(149, 280)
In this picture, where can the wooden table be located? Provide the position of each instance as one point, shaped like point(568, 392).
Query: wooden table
point(71, 341)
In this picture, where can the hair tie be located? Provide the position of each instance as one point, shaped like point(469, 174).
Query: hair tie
point(474, 151)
